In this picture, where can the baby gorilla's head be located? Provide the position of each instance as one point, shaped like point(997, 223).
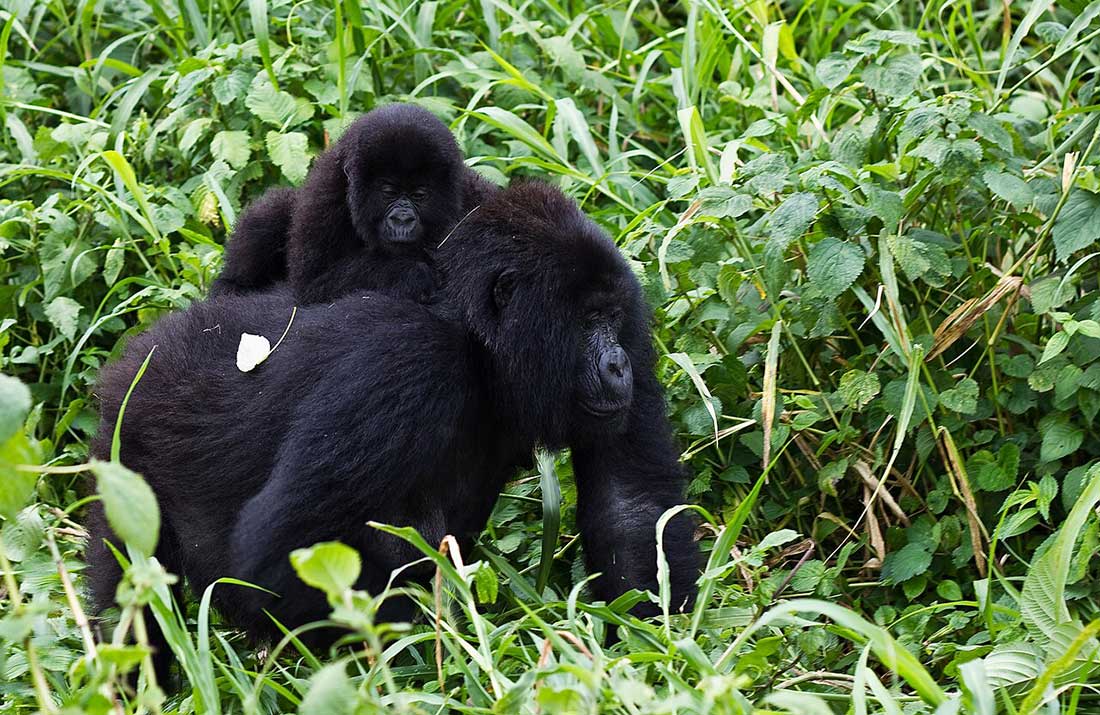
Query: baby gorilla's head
point(404, 172)
point(557, 308)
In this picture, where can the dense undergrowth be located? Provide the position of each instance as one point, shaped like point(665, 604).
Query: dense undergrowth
point(869, 233)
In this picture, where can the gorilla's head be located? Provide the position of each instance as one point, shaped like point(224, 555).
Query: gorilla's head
point(556, 307)
point(404, 174)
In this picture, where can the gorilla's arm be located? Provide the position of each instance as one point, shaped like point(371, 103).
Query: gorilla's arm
point(255, 257)
point(623, 488)
point(321, 234)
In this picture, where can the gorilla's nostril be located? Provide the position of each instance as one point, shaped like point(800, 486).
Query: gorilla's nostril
point(615, 369)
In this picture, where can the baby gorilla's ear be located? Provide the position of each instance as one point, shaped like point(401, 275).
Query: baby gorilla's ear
point(503, 288)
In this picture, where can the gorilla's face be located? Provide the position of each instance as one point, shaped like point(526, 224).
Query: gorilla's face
point(574, 364)
point(398, 210)
point(605, 380)
point(404, 173)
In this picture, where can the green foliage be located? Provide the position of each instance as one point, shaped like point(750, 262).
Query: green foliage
point(868, 235)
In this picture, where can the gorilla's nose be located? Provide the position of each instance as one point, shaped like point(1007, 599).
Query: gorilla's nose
point(615, 373)
point(403, 217)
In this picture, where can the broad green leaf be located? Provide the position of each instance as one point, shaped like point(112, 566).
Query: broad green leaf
point(16, 485)
point(1078, 225)
point(1013, 663)
point(329, 566)
point(834, 68)
point(232, 148)
point(193, 132)
point(995, 473)
point(330, 692)
point(486, 583)
point(792, 218)
point(909, 561)
point(897, 77)
point(131, 506)
point(858, 388)
point(1011, 188)
point(963, 397)
point(15, 403)
point(1055, 346)
point(834, 265)
point(1061, 437)
point(289, 152)
point(275, 107)
point(62, 313)
point(1043, 603)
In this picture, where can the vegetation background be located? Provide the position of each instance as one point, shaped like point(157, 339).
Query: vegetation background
point(869, 234)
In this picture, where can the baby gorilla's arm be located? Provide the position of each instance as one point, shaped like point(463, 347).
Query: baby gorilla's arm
point(255, 257)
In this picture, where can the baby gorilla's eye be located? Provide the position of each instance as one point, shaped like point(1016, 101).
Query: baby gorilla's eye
point(420, 193)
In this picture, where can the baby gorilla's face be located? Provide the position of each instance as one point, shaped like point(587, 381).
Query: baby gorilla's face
point(400, 210)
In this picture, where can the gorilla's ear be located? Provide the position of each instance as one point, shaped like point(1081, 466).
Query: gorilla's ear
point(503, 288)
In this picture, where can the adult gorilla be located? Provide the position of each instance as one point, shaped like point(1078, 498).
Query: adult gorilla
point(382, 409)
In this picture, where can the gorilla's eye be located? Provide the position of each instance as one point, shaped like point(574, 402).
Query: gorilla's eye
point(420, 193)
point(503, 289)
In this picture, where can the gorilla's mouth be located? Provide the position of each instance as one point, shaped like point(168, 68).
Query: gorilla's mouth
point(603, 410)
point(403, 234)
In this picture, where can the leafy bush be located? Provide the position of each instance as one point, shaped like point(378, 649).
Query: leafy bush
point(868, 233)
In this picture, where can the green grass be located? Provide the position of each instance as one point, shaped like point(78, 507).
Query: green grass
point(869, 233)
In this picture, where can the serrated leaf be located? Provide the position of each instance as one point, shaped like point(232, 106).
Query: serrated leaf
point(1011, 188)
point(1042, 599)
point(232, 148)
point(193, 132)
point(792, 218)
point(897, 77)
point(131, 506)
point(62, 313)
point(1078, 225)
point(963, 397)
point(995, 473)
point(834, 68)
point(276, 107)
point(15, 403)
point(329, 566)
point(1055, 345)
point(909, 561)
point(834, 265)
point(1061, 437)
point(858, 388)
point(289, 152)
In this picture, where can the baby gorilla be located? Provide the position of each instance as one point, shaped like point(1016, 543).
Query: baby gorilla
point(380, 409)
point(371, 212)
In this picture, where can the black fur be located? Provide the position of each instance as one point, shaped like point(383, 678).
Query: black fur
point(338, 233)
point(255, 257)
point(382, 409)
